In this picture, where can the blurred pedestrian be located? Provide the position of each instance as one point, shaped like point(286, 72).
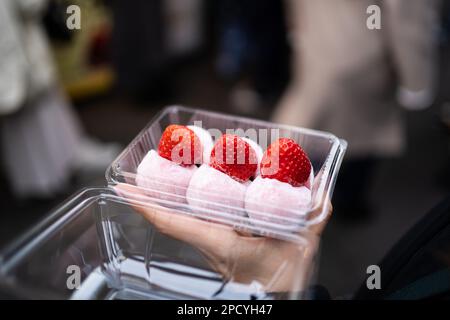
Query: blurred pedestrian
point(253, 51)
point(42, 142)
point(346, 77)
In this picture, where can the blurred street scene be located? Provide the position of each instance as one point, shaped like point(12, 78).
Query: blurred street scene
point(71, 100)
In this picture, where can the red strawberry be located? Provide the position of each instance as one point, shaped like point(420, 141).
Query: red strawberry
point(234, 157)
point(180, 145)
point(286, 161)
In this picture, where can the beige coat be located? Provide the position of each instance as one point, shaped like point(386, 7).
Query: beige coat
point(343, 79)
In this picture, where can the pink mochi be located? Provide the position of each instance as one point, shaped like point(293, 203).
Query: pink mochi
point(163, 179)
point(213, 190)
point(274, 201)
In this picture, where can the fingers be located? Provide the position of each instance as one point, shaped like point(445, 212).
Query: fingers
point(185, 228)
point(204, 235)
point(239, 257)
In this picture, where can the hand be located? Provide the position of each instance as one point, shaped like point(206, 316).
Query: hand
point(278, 265)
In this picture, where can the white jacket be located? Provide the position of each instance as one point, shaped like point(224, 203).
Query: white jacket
point(26, 67)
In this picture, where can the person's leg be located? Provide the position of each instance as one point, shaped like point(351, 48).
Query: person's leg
point(38, 146)
point(411, 28)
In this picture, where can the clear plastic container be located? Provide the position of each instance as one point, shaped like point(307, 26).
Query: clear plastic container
point(121, 255)
point(325, 151)
point(129, 245)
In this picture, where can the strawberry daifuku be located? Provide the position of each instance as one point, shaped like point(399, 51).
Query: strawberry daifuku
point(283, 188)
point(222, 184)
point(165, 174)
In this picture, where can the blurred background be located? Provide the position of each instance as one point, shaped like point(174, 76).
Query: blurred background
point(71, 98)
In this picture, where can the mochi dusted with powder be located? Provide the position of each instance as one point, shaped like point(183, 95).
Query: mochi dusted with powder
point(274, 201)
point(163, 179)
point(214, 190)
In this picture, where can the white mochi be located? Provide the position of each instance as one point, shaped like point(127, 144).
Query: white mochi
point(205, 140)
point(259, 153)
